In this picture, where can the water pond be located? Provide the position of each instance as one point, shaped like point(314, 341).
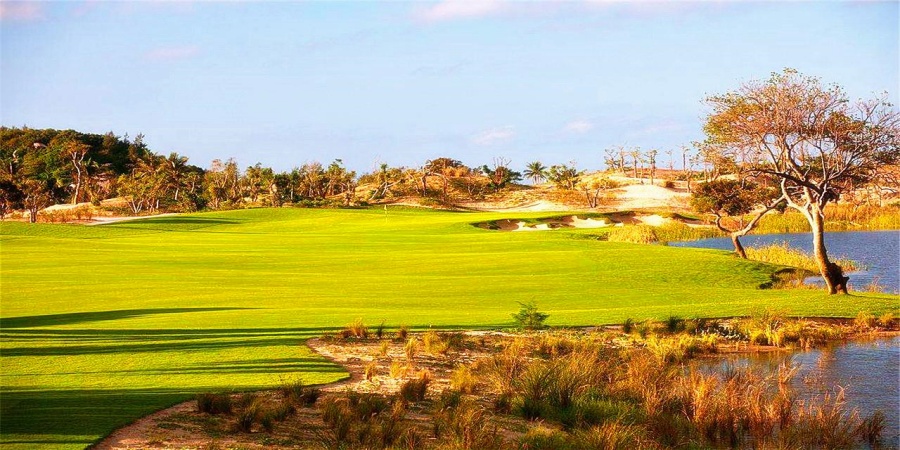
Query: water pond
point(877, 251)
point(867, 370)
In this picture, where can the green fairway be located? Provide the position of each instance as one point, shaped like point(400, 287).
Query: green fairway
point(103, 324)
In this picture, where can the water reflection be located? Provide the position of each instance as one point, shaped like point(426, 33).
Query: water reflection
point(868, 371)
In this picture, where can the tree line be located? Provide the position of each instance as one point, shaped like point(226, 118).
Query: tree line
point(786, 142)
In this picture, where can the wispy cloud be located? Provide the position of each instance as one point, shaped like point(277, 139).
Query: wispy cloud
point(578, 126)
point(168, 54)
point(494, 136)
point(21, 11)
point(460, 9)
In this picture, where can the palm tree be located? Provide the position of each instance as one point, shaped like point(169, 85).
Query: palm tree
point(536, 171)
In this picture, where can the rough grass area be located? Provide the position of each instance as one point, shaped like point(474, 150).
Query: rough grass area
point(103, 324)
point(549, 390)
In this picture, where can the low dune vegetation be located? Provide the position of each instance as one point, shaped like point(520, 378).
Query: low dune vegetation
point(627, 387)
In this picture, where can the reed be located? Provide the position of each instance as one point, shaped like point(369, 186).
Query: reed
point(838, 217)
point(783, 255)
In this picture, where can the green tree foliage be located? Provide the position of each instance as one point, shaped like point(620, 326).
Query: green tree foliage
point(529, 318)
point(499, 174)
point(727, 198)
point(564, 176)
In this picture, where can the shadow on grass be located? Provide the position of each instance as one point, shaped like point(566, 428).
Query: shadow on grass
point(51, 417)
point(50, 320)
point(100, 342)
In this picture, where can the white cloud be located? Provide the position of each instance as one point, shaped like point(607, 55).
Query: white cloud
point(21, 11)
point(578, 126)
point(494, 135)
point(461, 9)
point(165, 54)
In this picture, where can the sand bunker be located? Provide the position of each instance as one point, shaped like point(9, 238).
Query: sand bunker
point(578, 222)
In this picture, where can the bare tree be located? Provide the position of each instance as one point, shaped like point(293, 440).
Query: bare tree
point(812, 139)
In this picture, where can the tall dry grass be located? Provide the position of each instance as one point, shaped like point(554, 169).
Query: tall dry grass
point(838, 217)
point(783, 255)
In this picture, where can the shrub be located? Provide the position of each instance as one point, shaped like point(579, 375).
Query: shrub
point(871, 429)
point(463, 380)
point(887, 321)
point(337, 416)
point(366, 406)
point(398, 369)
point(296, 393)
point(865, 321)
point(470, 427)
point(402, 332)
point(628, 326)
point(434, 343)
point(371, 371)
point(411, 348)
point(252, 412)
point(214, 403)
point(356, 329)
point(450, 398)
point(674, 324)
point(414, 390)
point(529, 318)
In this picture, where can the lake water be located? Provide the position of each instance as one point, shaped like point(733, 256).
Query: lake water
point(877, 251)
point(868, 370)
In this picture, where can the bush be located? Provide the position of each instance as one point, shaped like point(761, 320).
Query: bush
point(356, 329)
point(628, 326)
point(411, 348)
point(398, 369)
point(463, 380)
point(865, 321)
point(529, 318)
point(214, 403)
point(296, 393)
point(434, 343)
point(371, 371)
point(414, 390)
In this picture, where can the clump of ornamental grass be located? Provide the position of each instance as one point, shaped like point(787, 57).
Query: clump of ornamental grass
point(214, 403)
point(356, 329)
point(434, 343)
point(414, 390)
point(634, 234)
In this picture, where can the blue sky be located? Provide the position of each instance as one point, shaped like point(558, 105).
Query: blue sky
point(283, 83)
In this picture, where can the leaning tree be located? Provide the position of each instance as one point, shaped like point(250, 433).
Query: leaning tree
point(732, 199)
point(812, 139)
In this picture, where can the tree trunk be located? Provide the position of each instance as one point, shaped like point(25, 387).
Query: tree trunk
point(738, 247)
point(835, 281)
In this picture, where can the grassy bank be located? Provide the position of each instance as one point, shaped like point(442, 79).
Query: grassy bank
point(103, 324)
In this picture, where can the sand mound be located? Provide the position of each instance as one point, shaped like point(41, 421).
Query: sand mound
point(655, 220)
point(638, 196)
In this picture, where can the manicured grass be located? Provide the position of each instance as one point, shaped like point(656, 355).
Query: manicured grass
point(103, 324)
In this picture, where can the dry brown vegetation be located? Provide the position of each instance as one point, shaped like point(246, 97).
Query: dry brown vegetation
point(623, 387)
